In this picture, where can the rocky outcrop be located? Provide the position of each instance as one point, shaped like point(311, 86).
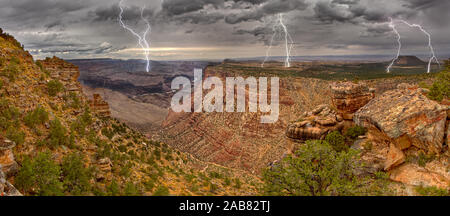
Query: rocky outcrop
point(316, 124)
point(403, 123)
point(349, 97)
point(105, 167)
point(8, 167)
point(6, 188)
point(99, 106)
point(63, 71)
point(412, 174)
point(7, 162)
point(407, 118)
point(394, 158)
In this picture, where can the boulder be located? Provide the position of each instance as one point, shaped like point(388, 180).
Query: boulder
point(315, 124)
point(7, 162)
point(6, 188)
point(394, 158)
point(415, 175)
point(406, 117)
point(348, 97)
point(105, 167)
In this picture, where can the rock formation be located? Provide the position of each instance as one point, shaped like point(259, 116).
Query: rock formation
point(316, 124)
point(8, 167)
point(99, 106)
point(105, 167)
point(407, 117)
point(403, 123)
point(63, 71)
point(7, 162)
point(349, 97)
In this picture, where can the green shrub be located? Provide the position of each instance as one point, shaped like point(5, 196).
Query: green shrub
point(36, 117)
point(8, 112)
point(72, 100)
point(86, 117)
point(16, 135)
point(161, 191)
point(423, 159)
point(149, 185)
point(237, 183)
point(131, 190)
point(39, 64)
point(122, 148)
point(12, 69)
point(76, 176)
point(41, 174)
point(213, 188)
point(54, 87)
point(58, 134)
point(432, 191)
point(113, 189)
point(215, 175)
point(157, 154)
point(108, 133)
point(337, 141)
point(125, 170)
point(316, 169)
point(41, 67)
point(9, 115)
point(355, 132)
point(119, 128)
point(81, 123)
point(441, 87)
point(79, 127)
point(226, 181)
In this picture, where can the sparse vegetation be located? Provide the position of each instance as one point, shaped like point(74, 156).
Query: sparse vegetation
point(316, 169)
point(40, 176)
point(441, 87)
point(161, 191)
point(73, 100)
point(16, 135)
point(12, 69)
point(75, 175)
point(58, 134)
point(54, 87)
point(337, 141)
point(9, 115)
point(36, 117)
point(432, 191)
point(355, 132)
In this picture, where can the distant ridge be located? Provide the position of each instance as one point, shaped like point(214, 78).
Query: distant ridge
point(409, 61)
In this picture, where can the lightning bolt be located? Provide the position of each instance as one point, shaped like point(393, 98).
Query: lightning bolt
point(287, 39)
point(142, 40)
point(430, 45)
point(270, 46)
point(399, 41)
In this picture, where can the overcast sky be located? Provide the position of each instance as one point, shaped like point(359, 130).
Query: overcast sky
point(217, 29)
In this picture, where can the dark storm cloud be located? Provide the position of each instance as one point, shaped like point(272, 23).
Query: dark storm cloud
point(267, 9)
point(178, 7)
point(30, 12)
point(348, 11)
point(90, 27)
point(348, 2)
point(110, 13)
point(423, 4)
